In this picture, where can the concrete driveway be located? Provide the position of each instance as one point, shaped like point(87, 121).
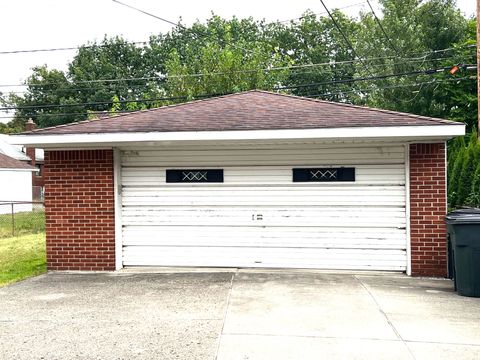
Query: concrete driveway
point(236, 315)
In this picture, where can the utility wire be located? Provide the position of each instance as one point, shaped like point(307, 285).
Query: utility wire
point(378, 77)
point(66, 48)
point(300, 69)
point(171, 22)
point(94, 103)
point(145, 12)
point(321, 13)
point(374, 88)
point(345, 38)
point(138, 42)
point(328, 94)
point(343, 81)
point(291, 67)
point(86, 112)
point(381, 27)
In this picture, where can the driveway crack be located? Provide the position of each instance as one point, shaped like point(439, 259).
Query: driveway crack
point(227, 305)
point(385, 316)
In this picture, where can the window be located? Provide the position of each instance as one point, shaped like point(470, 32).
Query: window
point(195, 176)
point(323, 174)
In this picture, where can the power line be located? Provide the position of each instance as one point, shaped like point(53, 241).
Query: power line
point(342, 81)
point(381, 27)
point(308, 67)
point(374, 88)
point(86, 112)
point(321, 13)
point(138, 42)
point(370, 89)
point(367, 78)
point(66, 48)
point(345, 37)
point(171, 22)
point(146, 13)
point(49, 106)
point(279, 68)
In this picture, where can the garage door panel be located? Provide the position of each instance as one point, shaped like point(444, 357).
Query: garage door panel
point(293, 196)
point(266, 257)
point(280, 217)
point(272, 175)
point(383, 238)
point(252, 156)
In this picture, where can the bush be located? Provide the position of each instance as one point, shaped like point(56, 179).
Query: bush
point(464, 172)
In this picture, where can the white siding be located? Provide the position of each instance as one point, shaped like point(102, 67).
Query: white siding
point(15, 185)
point(350, 225)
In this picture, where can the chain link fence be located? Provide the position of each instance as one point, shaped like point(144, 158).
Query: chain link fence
point(20, 217)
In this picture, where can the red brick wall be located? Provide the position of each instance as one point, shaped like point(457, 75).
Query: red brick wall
point(79, 210)
point(428, 206)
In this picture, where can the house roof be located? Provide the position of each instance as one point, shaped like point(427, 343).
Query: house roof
point(13, 151)
point(251, 110)
point(17, 151)
point(7, 162)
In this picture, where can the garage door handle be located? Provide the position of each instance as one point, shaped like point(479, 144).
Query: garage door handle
point(257, 217)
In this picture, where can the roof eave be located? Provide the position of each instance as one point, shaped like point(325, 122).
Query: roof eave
point(89, 140)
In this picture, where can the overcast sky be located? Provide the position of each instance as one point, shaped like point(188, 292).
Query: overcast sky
point(33, 24)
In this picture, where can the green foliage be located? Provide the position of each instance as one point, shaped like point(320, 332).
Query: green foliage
point(29, 222)
point(50, 88)
point(21, 257)
point(474, 196)
point(464, 172)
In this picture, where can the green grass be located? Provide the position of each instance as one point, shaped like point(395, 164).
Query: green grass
point(25, 223)
point(21, 257)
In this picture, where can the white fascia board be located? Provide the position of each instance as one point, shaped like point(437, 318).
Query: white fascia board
point(18, 169)
point(385, 132)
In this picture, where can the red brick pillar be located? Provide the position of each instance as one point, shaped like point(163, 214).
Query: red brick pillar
point(428, 206)
point(79, 210)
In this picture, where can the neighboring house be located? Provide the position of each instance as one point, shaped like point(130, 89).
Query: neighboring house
point(254, 179)
point(13, 151)
point(31, 156)
point(15, 185)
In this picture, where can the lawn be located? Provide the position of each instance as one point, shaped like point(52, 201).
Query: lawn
point(24, 223)
point(22, 255)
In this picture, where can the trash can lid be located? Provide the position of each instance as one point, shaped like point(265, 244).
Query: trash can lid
point(464, 216)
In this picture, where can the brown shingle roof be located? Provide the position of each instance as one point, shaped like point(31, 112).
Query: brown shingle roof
point(7, 162)
point(251, 110)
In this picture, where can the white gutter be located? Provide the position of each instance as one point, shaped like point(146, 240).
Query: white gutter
point(104, 139)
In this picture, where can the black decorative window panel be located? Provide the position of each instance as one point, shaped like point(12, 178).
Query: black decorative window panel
point(195, 176)
point(323, 174)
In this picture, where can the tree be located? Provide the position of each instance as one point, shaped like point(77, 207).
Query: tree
point(416, 30)
point(316, 40)
point(464, 173)
point(234, 56)
point(307, 57)
point(49, 99)
point(96, 64)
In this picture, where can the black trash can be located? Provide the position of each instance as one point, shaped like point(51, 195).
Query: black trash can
point(464, 242)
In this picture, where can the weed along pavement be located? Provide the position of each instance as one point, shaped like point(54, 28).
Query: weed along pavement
point(243, 314)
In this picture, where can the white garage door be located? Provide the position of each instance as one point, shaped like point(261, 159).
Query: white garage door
point(258, 216)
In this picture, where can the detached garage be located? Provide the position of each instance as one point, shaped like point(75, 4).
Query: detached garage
point(254, 179)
